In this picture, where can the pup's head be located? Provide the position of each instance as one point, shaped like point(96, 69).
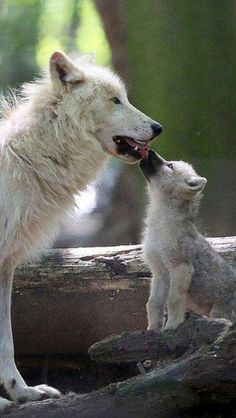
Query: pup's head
point(174, 179)
point(96, 97)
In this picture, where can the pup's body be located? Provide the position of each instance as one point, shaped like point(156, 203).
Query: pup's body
point(53, 142)
point(180, 258)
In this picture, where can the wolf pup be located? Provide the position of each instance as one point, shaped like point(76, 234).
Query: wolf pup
point(53, 141)
point(181, 260)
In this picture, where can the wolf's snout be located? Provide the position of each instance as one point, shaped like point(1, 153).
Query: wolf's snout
point(157, 129)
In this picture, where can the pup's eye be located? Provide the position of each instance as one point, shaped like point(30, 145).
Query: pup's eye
point(170, 165)
point(116, 100)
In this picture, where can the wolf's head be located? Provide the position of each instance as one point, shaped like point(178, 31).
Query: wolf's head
point(173, 179)
point(96, 99)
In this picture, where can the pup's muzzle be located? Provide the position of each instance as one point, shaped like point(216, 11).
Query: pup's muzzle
point(150, 166)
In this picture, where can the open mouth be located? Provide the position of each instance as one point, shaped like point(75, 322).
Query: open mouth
point(132, 147)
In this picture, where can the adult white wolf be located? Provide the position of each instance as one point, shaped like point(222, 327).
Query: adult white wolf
point(53, 142)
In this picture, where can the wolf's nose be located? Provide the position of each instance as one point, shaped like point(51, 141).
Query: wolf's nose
point(157, 128)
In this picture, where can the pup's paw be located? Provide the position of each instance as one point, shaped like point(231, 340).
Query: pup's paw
point(36, 393)
point(5, 405)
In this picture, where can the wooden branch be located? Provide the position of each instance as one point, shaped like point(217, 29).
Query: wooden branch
point(207, 376)
point(136, 346)
point(74, 297)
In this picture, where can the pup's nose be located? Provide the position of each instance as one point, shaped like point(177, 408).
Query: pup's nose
point(157, 128)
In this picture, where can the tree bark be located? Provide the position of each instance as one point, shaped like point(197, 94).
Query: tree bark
point(206, 377)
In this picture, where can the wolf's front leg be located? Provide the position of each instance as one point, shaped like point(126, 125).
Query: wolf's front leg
point(180, 279)
point(9, 375)
point(157, 300)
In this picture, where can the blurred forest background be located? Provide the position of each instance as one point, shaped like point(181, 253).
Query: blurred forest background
point(178, 58)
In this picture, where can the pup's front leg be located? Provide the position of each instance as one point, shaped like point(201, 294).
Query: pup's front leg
point(9, 375)
point(157, 300)
point(180, 279)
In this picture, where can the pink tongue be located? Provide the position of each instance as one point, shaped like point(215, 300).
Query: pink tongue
point(142, 149)
point(143, 152)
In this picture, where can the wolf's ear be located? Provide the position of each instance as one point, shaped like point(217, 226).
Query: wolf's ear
point(63, 70)
point(87, 58)
point(196, 183)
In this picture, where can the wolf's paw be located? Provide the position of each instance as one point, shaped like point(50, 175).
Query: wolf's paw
point(155, 326)
point(172, 324)
point(36, 393)
point(5, 405)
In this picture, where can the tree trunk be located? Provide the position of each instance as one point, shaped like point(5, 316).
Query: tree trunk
point(112, 14)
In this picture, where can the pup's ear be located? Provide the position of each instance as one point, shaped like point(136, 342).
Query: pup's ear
point(196, 183)
point(63, 70)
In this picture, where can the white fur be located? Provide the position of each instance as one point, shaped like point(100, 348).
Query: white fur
point(181, 260)
point(53, 141)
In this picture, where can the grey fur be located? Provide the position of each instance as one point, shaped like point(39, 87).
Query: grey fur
point(182, 261)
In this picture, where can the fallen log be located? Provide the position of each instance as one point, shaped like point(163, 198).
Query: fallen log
point(71, 298)
point(205, 378)
point(135, 346)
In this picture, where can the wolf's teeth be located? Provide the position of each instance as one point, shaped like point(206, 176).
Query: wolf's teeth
point(136, 148)
point(118, 140)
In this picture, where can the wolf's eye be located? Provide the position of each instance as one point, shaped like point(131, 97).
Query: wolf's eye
point(170, 166)
point(116, 100)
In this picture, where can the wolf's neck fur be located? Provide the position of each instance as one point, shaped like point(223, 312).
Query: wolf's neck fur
point(45, 160)
point(62, 155)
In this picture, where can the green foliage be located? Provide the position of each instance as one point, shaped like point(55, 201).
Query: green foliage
point(75, 26)
point(31, 30)
point(19, 38)
point(182, 62)
point(91, 36)
point(53, 24)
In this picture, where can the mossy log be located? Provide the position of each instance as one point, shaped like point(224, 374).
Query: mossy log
point(136, 346)
point(204, 378)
